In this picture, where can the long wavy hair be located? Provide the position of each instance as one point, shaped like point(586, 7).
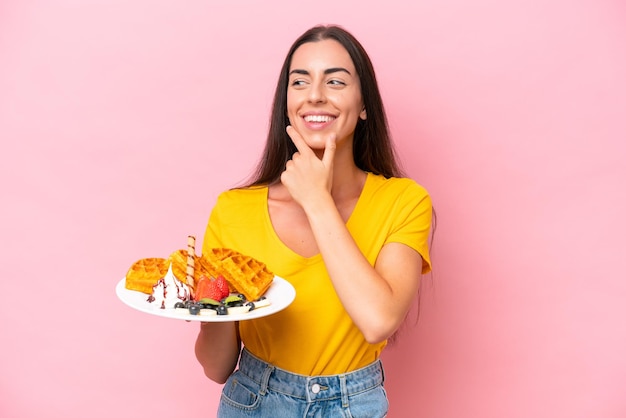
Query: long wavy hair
point(373, 149)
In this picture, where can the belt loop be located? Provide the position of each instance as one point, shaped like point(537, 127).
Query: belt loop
point(382, 370)
point(344, 391)
point(266, 378)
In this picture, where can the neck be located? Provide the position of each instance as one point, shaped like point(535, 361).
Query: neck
point(348, 181)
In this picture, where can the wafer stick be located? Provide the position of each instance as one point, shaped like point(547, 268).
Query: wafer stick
point(191, 252)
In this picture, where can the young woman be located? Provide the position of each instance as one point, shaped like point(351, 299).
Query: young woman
point(328, 211)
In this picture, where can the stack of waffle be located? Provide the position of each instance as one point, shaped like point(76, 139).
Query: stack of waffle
point(243, 273)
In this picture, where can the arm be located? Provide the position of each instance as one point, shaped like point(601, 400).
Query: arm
point(217, 349)
point(376, 298)
point(218, 344)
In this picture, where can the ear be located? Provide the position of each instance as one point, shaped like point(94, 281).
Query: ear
point(363, 114)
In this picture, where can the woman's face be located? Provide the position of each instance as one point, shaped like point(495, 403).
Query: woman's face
point(324, 93)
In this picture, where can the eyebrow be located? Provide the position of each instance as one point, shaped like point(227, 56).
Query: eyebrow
point(326, 72)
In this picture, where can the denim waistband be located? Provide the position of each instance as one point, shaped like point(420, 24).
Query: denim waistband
point(311, 388)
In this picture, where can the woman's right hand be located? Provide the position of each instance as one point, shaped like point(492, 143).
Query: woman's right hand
point(306, 175)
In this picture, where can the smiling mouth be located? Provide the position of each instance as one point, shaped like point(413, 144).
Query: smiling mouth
point(318, 118)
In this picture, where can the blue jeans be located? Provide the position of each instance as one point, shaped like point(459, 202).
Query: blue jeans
point(258, 389)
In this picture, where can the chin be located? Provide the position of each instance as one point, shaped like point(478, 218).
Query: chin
point(317, 145)
point(316, 141)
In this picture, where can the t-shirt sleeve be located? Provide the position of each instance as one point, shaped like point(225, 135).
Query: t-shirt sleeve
point(213, 235)
point(413, 222)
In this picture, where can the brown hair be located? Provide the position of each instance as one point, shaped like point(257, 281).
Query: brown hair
point(373, 150)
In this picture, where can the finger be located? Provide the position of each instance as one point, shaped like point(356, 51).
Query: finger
point(329, 150)
point(298, 141)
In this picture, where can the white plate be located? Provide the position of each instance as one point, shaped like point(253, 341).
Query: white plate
point(281, 293)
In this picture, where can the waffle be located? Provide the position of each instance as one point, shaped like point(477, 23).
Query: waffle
point(179, 266)
point(243, 273)
point(246, 275)
point(212, 262)
point(211, 267)
point(220, 253)
point(145, 273)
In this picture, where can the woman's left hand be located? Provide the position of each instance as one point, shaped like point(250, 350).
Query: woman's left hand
point(306, 175)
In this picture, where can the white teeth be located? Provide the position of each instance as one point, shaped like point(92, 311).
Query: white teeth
point(318, 118)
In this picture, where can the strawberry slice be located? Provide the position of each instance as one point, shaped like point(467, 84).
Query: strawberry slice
point(208, 287)
point(222, 284)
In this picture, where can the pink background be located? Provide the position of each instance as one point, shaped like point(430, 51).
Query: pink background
point(121, 121)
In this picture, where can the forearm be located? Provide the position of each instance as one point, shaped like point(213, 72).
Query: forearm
point(217, 349)
point(377, 299)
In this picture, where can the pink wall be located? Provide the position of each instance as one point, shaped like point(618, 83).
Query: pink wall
point(120, 122)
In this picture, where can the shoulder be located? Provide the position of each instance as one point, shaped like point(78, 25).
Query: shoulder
point(237, 202)
point(397, 186)
point(242, 195)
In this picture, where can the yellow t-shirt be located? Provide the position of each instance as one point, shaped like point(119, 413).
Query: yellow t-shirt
point(315, 335)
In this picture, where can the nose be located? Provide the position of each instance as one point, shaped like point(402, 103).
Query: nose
point(316, 93)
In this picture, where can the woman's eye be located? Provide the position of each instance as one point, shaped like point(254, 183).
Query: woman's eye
point(336, 83)
point(297, 83)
